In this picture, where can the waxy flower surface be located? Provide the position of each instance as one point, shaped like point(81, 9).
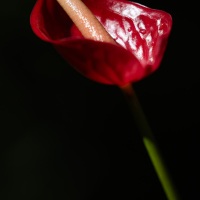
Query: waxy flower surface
point(141, 36)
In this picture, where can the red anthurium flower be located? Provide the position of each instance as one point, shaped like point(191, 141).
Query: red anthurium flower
point(141, 34)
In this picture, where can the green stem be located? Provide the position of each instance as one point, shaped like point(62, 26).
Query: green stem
point(150, 143)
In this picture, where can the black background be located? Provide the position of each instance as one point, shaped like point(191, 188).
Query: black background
point(63, 136)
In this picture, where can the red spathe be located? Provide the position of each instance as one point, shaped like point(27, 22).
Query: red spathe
point(141, 32)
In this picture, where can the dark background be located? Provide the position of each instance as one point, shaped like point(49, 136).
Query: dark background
point(63, 136)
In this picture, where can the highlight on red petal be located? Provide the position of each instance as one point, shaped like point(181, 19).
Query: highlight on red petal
point(141, 33)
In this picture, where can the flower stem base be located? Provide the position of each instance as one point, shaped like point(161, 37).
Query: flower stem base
point(150, 143)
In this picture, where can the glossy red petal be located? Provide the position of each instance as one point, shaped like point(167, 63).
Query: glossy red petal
point(141, 33)
point(97, 61)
